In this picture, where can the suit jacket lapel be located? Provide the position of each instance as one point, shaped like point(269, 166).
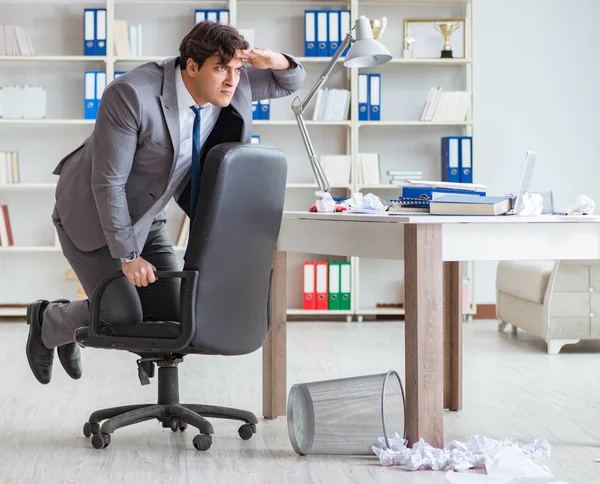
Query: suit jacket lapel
point(168, 103)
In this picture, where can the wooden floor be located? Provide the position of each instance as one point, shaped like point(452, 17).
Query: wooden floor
point(511, 387)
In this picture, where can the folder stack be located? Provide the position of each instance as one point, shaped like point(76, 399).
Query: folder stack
point(261, 109)
point(457, 159)
point(324, 31)
point(327, 285)
point(15, 40)
point(219, 16)
point(94, 31)
point(369, 97)
point(94, 85)
point(9, 167)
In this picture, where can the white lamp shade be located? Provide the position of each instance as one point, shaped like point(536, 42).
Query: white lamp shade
point(365, 50)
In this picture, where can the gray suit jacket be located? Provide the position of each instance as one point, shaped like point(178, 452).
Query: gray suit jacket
point(115, 176)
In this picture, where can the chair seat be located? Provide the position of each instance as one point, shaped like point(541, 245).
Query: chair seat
point(146, 329)
point(524, 279)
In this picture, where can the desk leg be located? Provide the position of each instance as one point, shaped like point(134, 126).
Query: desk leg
point(453, 335)
point(424, 333)
point(275, 346)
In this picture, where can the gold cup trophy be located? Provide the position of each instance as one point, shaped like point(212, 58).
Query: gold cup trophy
point(378, 26)
point(447, 29)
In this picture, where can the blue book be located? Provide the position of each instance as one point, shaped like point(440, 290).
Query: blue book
point(458, 204)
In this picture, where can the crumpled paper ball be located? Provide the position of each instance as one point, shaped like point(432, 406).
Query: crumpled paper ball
point(530, 204)
point(583, 206)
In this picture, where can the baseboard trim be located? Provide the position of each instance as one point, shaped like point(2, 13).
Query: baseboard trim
point(485, 311)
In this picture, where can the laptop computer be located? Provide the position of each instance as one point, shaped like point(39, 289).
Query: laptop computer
point(526, 175)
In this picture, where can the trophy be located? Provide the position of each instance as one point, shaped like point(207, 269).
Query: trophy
point(447, 29)
point(407, 51)
point(378, 26)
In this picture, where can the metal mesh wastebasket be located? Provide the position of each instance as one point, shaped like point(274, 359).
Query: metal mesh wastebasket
point(347, 415)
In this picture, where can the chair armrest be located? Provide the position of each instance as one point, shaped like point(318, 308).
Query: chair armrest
point(187, 317)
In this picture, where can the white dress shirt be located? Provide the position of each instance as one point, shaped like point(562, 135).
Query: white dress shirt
point(208, 118)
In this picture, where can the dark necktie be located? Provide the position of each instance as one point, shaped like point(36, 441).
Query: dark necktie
point(195, 163)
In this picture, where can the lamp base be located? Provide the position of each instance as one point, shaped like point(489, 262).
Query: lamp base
point(446, 54)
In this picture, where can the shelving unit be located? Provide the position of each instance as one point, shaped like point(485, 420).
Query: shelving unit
point(36, 268)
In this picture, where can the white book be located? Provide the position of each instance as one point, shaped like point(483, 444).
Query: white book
point(122, 47)
point(428, 101)
point(3, 168)
point(337, 169)
point(133, 40)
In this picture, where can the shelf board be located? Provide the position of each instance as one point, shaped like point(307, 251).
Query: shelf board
point(430, 61)
point(310, 122)
point(318, 312)
point(13, 311)
point(414, 123)
point(48, 122)
point(381, 312)
point(144, 58)
point(27, 186)
point(25, 248)
point(52, 58)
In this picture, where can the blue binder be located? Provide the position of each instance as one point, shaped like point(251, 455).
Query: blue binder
point(333, 38)
point(374, 97)
point(89, 31)
point(223, 16)
point(255, 139)
point(451, 159)
point(466, 159)
point(90, 108)
point(344, 28)
point(100, 44)
point(199, 16)
point(265, 109)
point(322, 33)
point(255, 110)
point(310, 33)
point(363, 97)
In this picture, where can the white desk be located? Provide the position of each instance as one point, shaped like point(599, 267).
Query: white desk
point(432, 248)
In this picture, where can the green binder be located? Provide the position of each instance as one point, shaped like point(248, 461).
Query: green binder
point(345, 277)
point(334, 285)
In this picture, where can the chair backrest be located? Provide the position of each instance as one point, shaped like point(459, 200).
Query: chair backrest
point(232, 243)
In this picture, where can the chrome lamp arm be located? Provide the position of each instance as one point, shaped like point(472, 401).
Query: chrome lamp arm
point(298, 107)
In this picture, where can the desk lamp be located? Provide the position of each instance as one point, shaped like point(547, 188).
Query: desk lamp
point(364, 52)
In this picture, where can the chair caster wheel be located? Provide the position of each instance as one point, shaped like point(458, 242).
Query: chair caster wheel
point(246, 431)
point(202, 442)
point(90, 429)
point(177, 424)
point(99, 441)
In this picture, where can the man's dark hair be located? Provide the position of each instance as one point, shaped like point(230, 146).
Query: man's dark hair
point(209, 38)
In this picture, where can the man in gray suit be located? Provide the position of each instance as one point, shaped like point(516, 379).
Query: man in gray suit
point(155, 125)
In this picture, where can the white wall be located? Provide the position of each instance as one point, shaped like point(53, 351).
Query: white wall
point(536, 71)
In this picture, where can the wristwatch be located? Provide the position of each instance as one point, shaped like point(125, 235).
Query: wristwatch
point(130, 258)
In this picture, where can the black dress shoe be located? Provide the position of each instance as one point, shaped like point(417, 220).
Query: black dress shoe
point(70, 359)
point(39, 357)
point(69, 355)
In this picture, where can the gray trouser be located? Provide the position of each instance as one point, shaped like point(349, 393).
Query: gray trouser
point(122, 303)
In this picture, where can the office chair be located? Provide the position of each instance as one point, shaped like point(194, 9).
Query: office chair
point(230, 251)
